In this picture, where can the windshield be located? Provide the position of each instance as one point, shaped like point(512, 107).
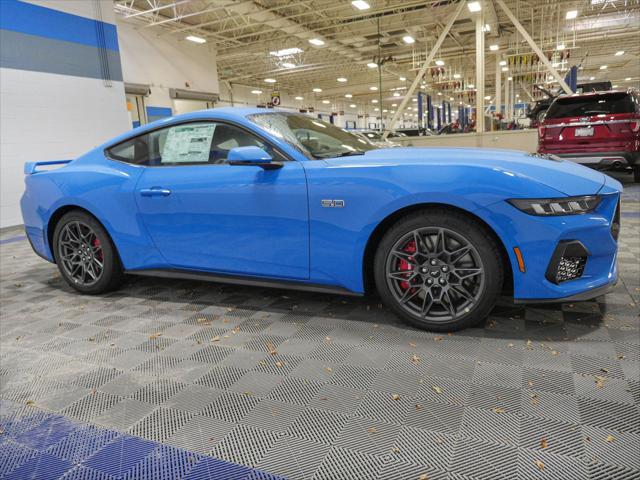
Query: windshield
point(314, 138)
point(591, 105)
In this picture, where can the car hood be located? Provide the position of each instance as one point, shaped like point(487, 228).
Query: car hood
point(564, 176)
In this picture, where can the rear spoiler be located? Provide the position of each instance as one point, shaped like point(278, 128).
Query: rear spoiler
point(32, 167)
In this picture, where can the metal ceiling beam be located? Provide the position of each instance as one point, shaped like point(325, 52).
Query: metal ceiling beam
point(156, 9)
point(423, 69)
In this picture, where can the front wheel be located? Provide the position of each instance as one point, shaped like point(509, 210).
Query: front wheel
point(439, 270)
point(86, 257)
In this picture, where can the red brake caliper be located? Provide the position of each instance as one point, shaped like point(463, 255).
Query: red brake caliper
point(96, 244)
point(404, 265)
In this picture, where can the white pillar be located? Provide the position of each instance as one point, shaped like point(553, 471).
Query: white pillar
point(498, 99)
point(506, 99)
point(479, 72)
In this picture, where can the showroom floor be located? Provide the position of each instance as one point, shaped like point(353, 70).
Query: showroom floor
point(175, 379)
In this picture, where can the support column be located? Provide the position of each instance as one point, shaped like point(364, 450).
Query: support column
point(498, 99)
point(506, 99)
point(480, 71)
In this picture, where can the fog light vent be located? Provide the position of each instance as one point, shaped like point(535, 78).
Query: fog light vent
point(567, 262)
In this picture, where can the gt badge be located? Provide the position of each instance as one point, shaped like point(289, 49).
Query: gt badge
point(332, 203)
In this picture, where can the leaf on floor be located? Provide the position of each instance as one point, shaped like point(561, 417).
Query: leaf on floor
point(540, 465)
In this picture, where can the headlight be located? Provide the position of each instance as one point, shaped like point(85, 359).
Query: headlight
point(556, 206)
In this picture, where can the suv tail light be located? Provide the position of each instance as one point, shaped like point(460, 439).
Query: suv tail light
point(635, 126)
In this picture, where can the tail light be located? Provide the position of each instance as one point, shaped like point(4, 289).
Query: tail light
point(635, 126)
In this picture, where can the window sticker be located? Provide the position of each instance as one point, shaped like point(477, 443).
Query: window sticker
point(188, 144)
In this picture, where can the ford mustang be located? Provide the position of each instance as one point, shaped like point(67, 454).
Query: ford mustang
point(273, 198)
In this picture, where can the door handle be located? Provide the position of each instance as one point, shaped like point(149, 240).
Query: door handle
point(155, 192)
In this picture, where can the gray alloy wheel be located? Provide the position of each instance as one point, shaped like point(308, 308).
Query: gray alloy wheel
point(435, 273)
point(80, 253)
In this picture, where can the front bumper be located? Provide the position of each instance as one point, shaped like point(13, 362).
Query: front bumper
point(538, 239)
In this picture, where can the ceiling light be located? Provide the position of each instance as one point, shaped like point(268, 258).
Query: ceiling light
point(592, 78)
point(488, 97)
point(440, 93)
point(299, 98)
point(373, 88)
point(408, 39)
point(285, 52)
point(256, 92)
point(471, 85)
point(439, 63)
point(451, 99)
point(486, 27)
point(348, 95)
point(474, 6)
point(560, 46)
point(374, 101)
point(505, 69)
point(372, 65)
point(394, 104)
point(385, 110)
point(270, 80)
point(615, 86)
point(517, 95)
point(194, 39)
point(628, 79)
point(326, 102)
point(503, 63)
point(316, 41)
point(456, 75)
point(396, 94)
point(493, 48)
point(603, 67)
point(289, 65)
point(317, 90)
point(403, 79)
point(571, 14)
point(510, 78)
point(619, 53)
point(377, 109)
point(341, 79)
point(361, 5)
point(414, 99)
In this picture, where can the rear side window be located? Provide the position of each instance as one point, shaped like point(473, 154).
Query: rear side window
point(610, 103)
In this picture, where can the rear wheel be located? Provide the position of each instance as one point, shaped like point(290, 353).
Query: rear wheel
point(86, 257)
point(439, 270)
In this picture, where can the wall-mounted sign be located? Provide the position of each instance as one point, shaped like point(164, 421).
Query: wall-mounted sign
point(275, 98)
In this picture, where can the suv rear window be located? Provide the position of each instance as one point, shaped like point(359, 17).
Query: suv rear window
point(592, 105)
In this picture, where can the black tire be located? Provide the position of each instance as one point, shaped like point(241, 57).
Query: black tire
point(111, 275)
point(636, 173)
point(457, 228)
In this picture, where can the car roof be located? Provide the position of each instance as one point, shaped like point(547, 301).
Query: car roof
point(596, 94)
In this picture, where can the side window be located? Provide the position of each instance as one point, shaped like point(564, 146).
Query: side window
point(188, 144)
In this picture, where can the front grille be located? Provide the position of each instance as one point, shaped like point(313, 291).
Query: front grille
point(567, 262)
point(615, 223)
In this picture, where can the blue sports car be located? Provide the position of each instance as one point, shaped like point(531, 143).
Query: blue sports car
point(268, 197)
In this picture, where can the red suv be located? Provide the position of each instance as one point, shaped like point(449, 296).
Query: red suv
point(600, 130)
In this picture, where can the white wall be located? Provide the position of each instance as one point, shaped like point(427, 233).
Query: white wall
point(47, 116)
point(526, 140)
point(164, 62)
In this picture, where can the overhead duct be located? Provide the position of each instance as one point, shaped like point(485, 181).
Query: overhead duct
point(137, 89)
point(193, 95)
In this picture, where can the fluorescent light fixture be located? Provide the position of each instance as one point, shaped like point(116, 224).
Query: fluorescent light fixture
point(451, 99)
point(326, 102)
point(488, 97)
point(372, 65)
point(374, 100)
point(373, 89)
point(194, 39)
point(403, 79)
point(439, 63)
point(353, 105)
point(288, 65)
point(628, 79)
point(377, 109)
point(256, 92)
point(510, 78)
point(361, 5)
point(505, 69)
point(270, 80)
point(494, 48)
point(619, 53)
point(396, 94)
point(486, 27)
point(615, 86)
point(385, 110)
point(408, 39)
point(474, 6)
point(316, 41)
point(299, 98)
point(414, 99)
point(471, 85)
point(603, 67)
point(317, 90)
point(341, 79)
point(503, 63)
point(560, 46)
point(440, 93)
point(285, 52)
point(517, 95)
point(394, 104)
point(592, 78)
point(348, 95)
point(456, 75)
point(571, 14)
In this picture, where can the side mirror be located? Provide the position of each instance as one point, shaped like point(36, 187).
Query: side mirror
point(252, 157)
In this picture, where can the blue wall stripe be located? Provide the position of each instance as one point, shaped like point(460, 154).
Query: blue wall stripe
point(41, 445)
point(29, 52)
point(159, 112)
point(45, 22)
